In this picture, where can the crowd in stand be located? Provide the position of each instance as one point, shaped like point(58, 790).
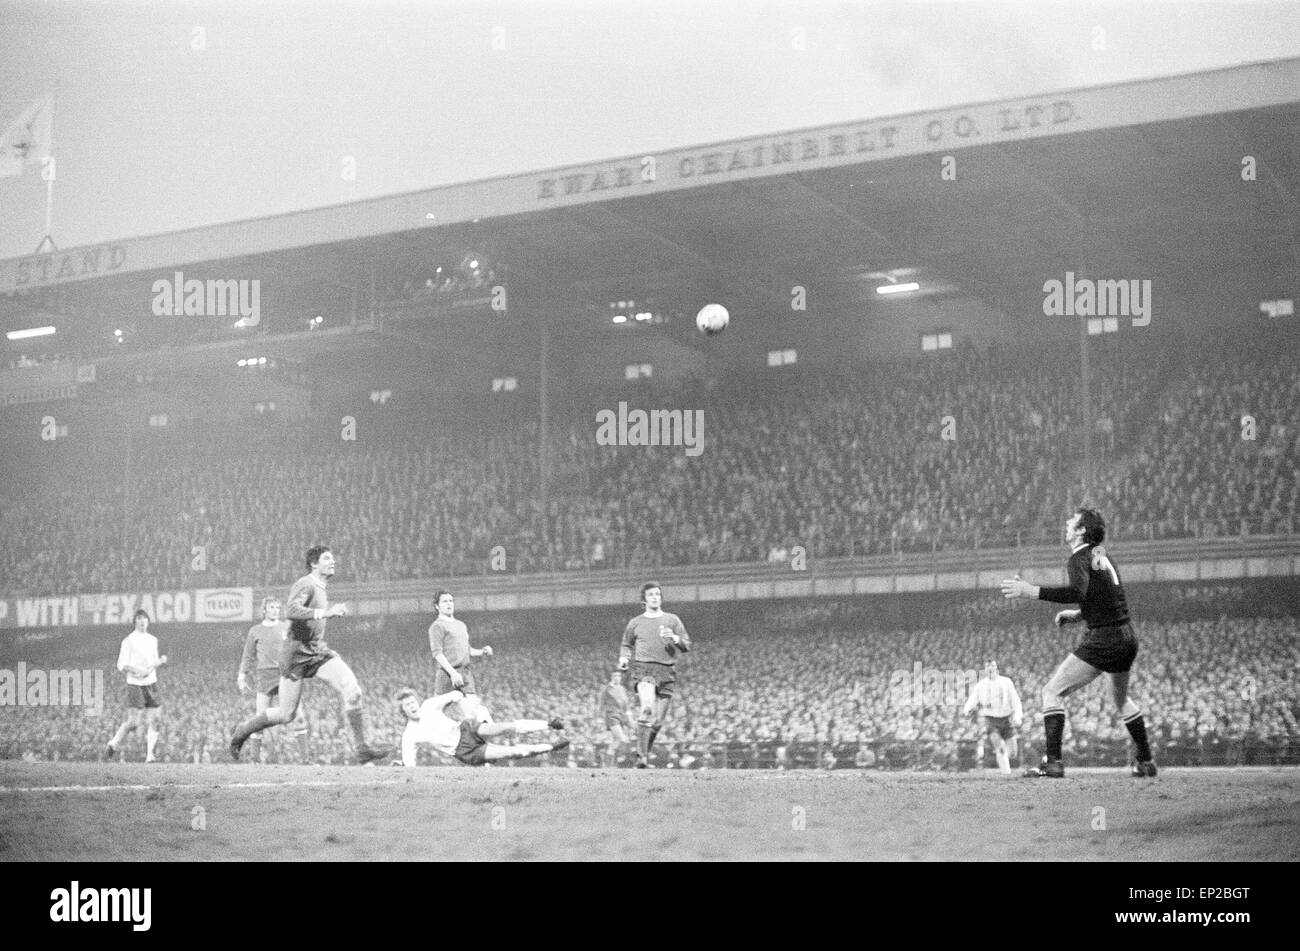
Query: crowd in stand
point(954, 452)
point(817, 679)
point(1223, 451)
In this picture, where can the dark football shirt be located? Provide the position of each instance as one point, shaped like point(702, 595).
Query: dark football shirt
point(1094, 585)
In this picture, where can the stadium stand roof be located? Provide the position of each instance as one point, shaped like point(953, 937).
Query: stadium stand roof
point(1136, 180)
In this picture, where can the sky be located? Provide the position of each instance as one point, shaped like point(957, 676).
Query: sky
point(175, 115)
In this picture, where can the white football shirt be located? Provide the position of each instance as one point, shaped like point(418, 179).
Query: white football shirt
point(139, 650)
point(434, 728)
point(995, 698)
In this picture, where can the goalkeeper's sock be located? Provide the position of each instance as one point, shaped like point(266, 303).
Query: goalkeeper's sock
point(1054, 725)
point(151, 741)
point(654, 732)
point(1137, 728)
point(643, 741)
point(1004, 761)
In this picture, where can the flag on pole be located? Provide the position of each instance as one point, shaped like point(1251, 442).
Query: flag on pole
point(28, 138)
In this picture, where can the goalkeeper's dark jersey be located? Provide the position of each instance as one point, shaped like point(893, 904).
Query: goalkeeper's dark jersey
point(1094, 586)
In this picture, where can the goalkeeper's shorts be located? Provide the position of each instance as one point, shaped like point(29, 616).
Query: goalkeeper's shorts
point(1109, 649)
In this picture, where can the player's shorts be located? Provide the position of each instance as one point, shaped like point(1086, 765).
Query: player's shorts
point(298, 661)
point(442, 682)
point(268, 681)
point(999, 725)
point(1109, 649)
point(663, 676)
point(143, 698)
point(472, 748)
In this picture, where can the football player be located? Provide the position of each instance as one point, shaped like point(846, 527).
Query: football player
point(651, 643)
point(1109, 644)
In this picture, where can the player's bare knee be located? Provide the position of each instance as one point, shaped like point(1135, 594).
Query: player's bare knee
point(1129, 709)
point(352, 696)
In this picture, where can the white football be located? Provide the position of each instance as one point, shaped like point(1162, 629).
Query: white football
point(712, 319)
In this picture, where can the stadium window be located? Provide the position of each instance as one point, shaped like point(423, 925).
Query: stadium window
point(940, 340)
point(505, 384)
point(381, 397)
point(780, 358)
point(638, 371)
point(158, 420)
point(1278, 308)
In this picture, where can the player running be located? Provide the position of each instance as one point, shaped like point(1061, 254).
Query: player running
point(305, 655)
point(1108, 646)
point(443, 723)
point(139, 659)
point(449, 642)
point(613, 704)
point(652, 642)
point(1000, 713)
point(261, 659)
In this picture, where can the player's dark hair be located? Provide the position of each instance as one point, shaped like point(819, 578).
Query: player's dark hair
point(404, 693)
point(648, 585)
point(140, 613)
point(437, 595)
point(1093, 525)
point(314, 555)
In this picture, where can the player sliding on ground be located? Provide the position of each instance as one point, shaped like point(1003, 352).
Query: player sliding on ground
point(652, 642)
point(305, 654)
point(1108, 646)
point(442, 723)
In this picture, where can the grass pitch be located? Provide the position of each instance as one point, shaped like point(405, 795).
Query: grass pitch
point(227, 812)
